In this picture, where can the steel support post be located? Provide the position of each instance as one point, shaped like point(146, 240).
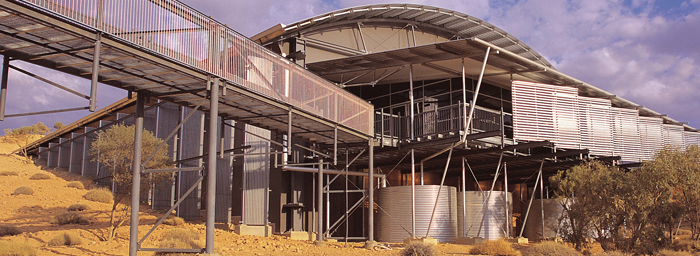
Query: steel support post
point(464, 99)
point(3, 86)
point(319, 199)
point(505, 186)
point(413, 193)
point(289, 132)
point(542, 200)
point(136, 176)
point(211, 165)
point(95, 72)
point(370, 187)
point(464, 199)
point(476, 91)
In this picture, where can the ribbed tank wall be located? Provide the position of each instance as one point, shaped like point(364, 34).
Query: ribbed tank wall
point(394, 218)
point(552, 211)
point(493, 216)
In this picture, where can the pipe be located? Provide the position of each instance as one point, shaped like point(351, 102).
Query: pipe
point(371, 190)
point(211, 165)
point(319, 198)
point(95, 72)
point(136, 177)
point(329, 171)
point(413, 193)
point(3, 86)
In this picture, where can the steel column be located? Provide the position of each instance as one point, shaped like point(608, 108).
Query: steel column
point(3, 86)
point(211, 165)
point(319, 199)
point(476, 92)
point(505, 185)
point(370, 187)
point(95, 72)
point(136, 176)
point(413, 193)
point(542, 198)
point(464, 199)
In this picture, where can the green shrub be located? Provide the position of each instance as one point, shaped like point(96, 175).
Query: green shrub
point(23, 190)
point(9, 230)
point(179, 238)
point(78, 207)
point(667, 252)
point(8, 248)
point(40, 176)
point(101, 195)
point(66, 238)
point(174, 221)
point(419, 249)
point(551, 249)
point(8, 173)
point(75, 184)
point(70, 218)
point(495, 247)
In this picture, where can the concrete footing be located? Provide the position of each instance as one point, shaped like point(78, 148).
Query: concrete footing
point(425, 240)
point(300, 235)
point(244, 229)
point(320, 243)
point(517, 240)
point(469, 240)
point(370, 245)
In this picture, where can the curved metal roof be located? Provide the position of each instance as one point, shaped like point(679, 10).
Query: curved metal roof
point(452, 24)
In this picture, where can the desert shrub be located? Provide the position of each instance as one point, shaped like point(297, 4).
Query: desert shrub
point(9, 230)
point(495, 247)
point(23, 190)
point(179, 238)
point(666, 252)
point(40, 176)
point(8, 248)
point(174, 221)
point(66, 238)
point(101, 195)
point(78, 207)
point(75, 184)
point(69, 218)
point(551, 249)
point(8, 173)
point(419, 249)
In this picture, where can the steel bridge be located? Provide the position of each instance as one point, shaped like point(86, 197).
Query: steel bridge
point(166, 50)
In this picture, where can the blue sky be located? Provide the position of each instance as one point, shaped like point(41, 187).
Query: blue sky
point(643, 50)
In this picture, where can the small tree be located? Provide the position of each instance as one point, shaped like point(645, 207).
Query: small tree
point(25, 134)
point(114, 148)
point(58, 125)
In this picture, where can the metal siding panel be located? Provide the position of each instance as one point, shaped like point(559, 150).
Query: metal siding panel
point(44, 155)
point(76, 154)
point(103, 171)
point(53, 155)
point(190, 146)
point(626, 134)
point(224, 176)
point(64, 153)
point(595, 126)
point(168, 117)
point(256, 178)
point(89, 166)
point(673, 136)
point(650, 133)
point(691, 138)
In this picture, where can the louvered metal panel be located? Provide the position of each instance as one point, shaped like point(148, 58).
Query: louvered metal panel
point(256, 178)
point(76, 153)
point(191, 146)
point(673, 135)
point(168, 116)
point(224, 175)
point(546, 112)
point(596, 129)
point(626, 134)
point(650, 135)
point(89, 166)
point(691, 138)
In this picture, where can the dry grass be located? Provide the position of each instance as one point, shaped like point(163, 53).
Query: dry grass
point(666, 252)
point(69, 218)
point(419, 249)
point(78, 207)
point(613, 253)
point(101, 195)
point(686, 245)
point(8, 173)
point(174, 221)
point(9, 230)
point(66, 238)
point(179, 238)
point(8, 248)
point(495, 247)
point(23, 190)
point(40, 176)
point(551, 248)
point(75, 184)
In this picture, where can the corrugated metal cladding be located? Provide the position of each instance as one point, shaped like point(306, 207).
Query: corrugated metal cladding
point(168, 117)
point(63, 153)
point(489, 223)
point(224, 175)
point(256, 178)
point(190, 146)
point(53, 155)
point(76, 154)
point(626, 134)
point(553, 210)
point(650, 132)
point(673, 135)
point(89, 166)
point(394, 220)
point(596, 129)
point(546, 112)
point(44, 155)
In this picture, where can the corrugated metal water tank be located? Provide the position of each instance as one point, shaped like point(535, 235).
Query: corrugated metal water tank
point(493, 216)
point(552, 212)
point(394, 217)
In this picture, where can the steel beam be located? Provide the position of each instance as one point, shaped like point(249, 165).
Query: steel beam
point(136, 176)
point(211, 165)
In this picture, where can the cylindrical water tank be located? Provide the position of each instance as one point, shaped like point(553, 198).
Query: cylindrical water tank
point(552, 212)
point(394, 214)
point(488, 221)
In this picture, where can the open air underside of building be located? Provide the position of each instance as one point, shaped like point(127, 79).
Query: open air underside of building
point(320, 125)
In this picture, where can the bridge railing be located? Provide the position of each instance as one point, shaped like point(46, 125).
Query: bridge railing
point(175, 30)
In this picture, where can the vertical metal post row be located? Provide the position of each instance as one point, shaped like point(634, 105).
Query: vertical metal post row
point(95, 71)
point(3, 86)
point(211, 165)
point(136, 177)
point(370, 187)
point(319, 198)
